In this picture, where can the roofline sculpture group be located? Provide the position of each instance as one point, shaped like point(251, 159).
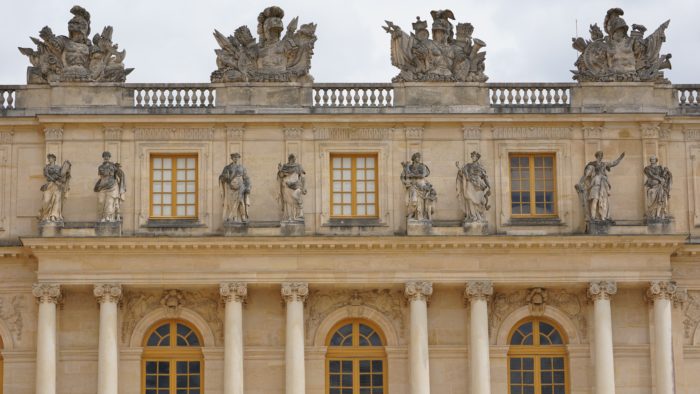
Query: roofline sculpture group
point(451, 55)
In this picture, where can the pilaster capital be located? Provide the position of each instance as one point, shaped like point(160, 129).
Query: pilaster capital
point(478, 290)
point(666, 290)
point(53, 133)
point(418, 290)
point(601, 290)
point(47, 292)
point(233, 291)
point(295, 291)
point(107, 292)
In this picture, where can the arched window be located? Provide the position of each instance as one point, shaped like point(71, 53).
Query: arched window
point(172, 359)
point(356, 359)
point(537, 359)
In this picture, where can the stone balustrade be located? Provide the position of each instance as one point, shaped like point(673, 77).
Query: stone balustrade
point(688, 95)
point(7, 97)
point(189, 95)
point(353, 95)
point(530, 94)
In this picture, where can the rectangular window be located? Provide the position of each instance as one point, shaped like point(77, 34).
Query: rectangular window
point(174, 186)
point(533, 185)
point(354, 186)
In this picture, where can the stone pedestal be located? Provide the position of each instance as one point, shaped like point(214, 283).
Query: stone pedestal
point(442, 96)
point(660, 226)
point(75, 95)
point(50, 229)
point(475, 228)
point(232, 229)
point(108, 229)
point(234, 96)
point(292, 229)
point(419, 227)
point(623, 97)
point(598, 227)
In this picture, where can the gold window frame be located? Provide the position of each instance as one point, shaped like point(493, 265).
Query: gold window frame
point(532, 182)
point(174, 181)
point(353, 184)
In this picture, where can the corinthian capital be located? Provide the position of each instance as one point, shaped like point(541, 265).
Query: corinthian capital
point(666, 290)
point(418, 290)
point(601, 290)
point(295, 291)
point(478, 290)
point(108, 292)
point(233, 291)
point(47, 292)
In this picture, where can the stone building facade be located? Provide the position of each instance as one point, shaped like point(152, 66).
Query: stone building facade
point(173, 290)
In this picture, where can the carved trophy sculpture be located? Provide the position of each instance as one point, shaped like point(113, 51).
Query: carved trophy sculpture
point(658, 191)
point(110, 189)
point(275, 58)
point(619, 56)
point(594, 191)
point(473, 190)
point(75, 58)
point(291, 178)
point(420, 195)
point(55, 189)
point(444, 58)
point(235, 191)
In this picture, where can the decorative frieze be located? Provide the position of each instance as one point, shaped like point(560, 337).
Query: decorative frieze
point(47, 292)
point(113, 133)
point(691, 316)
point(234, 133)
point(108, 292)
point(692, 135)
point(478, 290)
point(11, 308)
point(414, 133)
point(666, 290)
point(601, 290)
point(53, 133)
point(233, 291)
point(166, 133)
point(538, 133)
point(418, 291)
point(592, 133)
point(293, 133)
point(353, 133)
point(295, 291)
point(471, 133)
point(651, 131)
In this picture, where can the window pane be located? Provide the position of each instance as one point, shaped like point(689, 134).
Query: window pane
point(181, 187)
point(190, 211)
point(180, 210)
point(167, 210)
point(361, 211)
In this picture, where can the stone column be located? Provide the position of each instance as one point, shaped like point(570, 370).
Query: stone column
point(48, 295)
point(294, 295)
point(234, 295)
point(108, 296)
point(663, 294)
point(477, 294)
point(418, 294)
point(600, 292)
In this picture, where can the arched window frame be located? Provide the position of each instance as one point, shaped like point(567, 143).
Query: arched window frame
point(538, 351)
point(356, 352)
point(172, 353)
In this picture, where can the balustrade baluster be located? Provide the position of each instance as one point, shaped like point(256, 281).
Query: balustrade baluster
point(365, 99)
point(518, 97)
point(549, 96)
point(2, 100)
point(565, 96)
point(178, 97)
point(556, 97)
point(334, 98)
point(372, 98)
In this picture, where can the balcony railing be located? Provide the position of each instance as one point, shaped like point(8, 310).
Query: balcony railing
point(190, 95)
point(688, 95)
point(530, 94)
point(8, 97)
point(353, 95)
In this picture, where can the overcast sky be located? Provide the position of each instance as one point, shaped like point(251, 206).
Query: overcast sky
point(171, 41)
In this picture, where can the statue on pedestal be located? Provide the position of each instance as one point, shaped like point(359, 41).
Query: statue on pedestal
point(292, 187)
point(55, 189)
point(420, 195)
point(444, 58)
point(235, 191)
point(473, 190)
point(619, 56)
point(75, 58)
point(273, 59)
point(594, 189)
point(110, 189)
point(658, 190)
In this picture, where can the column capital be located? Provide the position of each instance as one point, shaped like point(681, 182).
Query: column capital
point(233, 291)
point(601, 290)
point(666, 290)
point(107, 292)
point(418, 290)
point(295, 291)
point(47, 292)
point(478, 290)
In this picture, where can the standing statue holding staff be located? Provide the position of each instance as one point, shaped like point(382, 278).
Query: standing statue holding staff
point(235, 191)
point(55, 189)
point(292, 189)
point(594, 188)
point(111, 188)
point(473, 190)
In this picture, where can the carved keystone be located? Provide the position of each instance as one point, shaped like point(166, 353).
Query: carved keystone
point(418, 290)
point(295, 291)
point(233, 291)
point(602, 290)
point(478, 290)
point(47, 292)
point(108, 292)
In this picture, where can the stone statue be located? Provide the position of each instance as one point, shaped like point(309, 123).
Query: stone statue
point(444, 58)
point(110, 189)
point(235, 191)
point(292, 189)
point(273, 59)
point(594, 189)
point(55, 189)
point(420, 195)
point(75, 58)
point(658, 190)
point(473, 190)
point(621, 57)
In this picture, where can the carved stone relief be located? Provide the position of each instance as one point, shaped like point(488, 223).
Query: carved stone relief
point(691, 316)
point(352, 133)
point(174, 134)
point(571, 304)
point(11, 308)
point(321, 303)
point(543, 133)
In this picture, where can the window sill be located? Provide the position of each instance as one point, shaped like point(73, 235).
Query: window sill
point(534, 222)
point(173, 223)
point(354, 222)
